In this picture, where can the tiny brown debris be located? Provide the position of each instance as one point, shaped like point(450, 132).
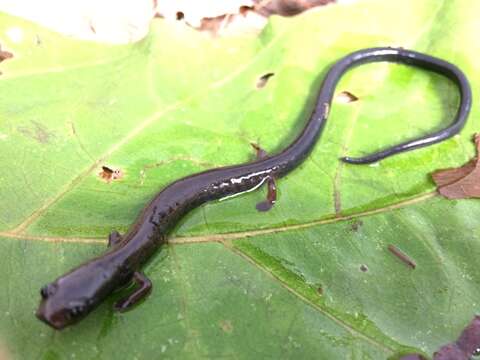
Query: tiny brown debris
point(363, 268)
point(262, 80)
point(402, 256)
point(346, 97)
point(109, 174)
point(320, 290)
point(90, 24)
point(244, 9)
point(462, 182)
point(180, 15)
point(466, 345)
point(4, 55)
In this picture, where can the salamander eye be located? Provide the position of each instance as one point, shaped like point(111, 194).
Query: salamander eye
point(47, 290)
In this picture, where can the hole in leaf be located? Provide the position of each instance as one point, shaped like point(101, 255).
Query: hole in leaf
point(108, 174)
point(262, 80)
point(346, 97)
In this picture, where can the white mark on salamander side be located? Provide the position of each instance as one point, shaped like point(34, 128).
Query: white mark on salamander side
point(246, 191)
point(326, 109)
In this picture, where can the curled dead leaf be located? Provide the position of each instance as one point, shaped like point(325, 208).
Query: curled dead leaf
point(288, 7)
point(462, 182)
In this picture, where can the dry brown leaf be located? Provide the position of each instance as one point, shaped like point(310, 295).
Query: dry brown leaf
point(462, 182)
point(4, 55)
point(288, 7)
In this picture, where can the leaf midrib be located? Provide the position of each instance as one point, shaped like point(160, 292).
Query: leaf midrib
point(235, 235)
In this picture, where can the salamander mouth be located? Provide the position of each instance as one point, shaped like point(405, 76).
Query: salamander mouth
point(56, 321)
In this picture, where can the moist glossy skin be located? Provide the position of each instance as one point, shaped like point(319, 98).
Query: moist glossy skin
point(73, 295)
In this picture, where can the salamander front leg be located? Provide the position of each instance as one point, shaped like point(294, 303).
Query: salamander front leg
point(144, 287)
point(271, 186)
point(114, 238)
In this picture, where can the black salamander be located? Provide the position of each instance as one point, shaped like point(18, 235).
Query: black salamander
point(73, 295)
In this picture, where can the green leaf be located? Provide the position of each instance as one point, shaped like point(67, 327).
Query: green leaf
point(313, 277)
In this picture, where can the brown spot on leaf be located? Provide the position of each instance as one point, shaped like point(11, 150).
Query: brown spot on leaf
point(107, 174)
point(357, 224)
point(402, 256)
point(346, 97)
point(320, 290)
point(363, 268)
point(462, 182)
point(465, 346)
point(262, 80)
point(37, 132)
point(226, 326)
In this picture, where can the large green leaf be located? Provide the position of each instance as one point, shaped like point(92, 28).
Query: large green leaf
point(313, 277)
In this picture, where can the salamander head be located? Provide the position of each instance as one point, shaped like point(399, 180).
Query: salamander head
point(62, 304)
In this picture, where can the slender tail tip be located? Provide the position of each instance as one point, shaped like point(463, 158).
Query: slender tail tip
point(349, 160)
point(357, 161)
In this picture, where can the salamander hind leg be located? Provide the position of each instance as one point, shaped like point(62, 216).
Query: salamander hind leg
point(267, 204)
point(143, 288)
point(114, 238)
point(271, 186)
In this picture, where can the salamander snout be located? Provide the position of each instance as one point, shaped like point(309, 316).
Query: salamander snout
point(59, 309)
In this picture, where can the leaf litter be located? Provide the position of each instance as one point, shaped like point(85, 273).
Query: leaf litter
point(462, 182)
